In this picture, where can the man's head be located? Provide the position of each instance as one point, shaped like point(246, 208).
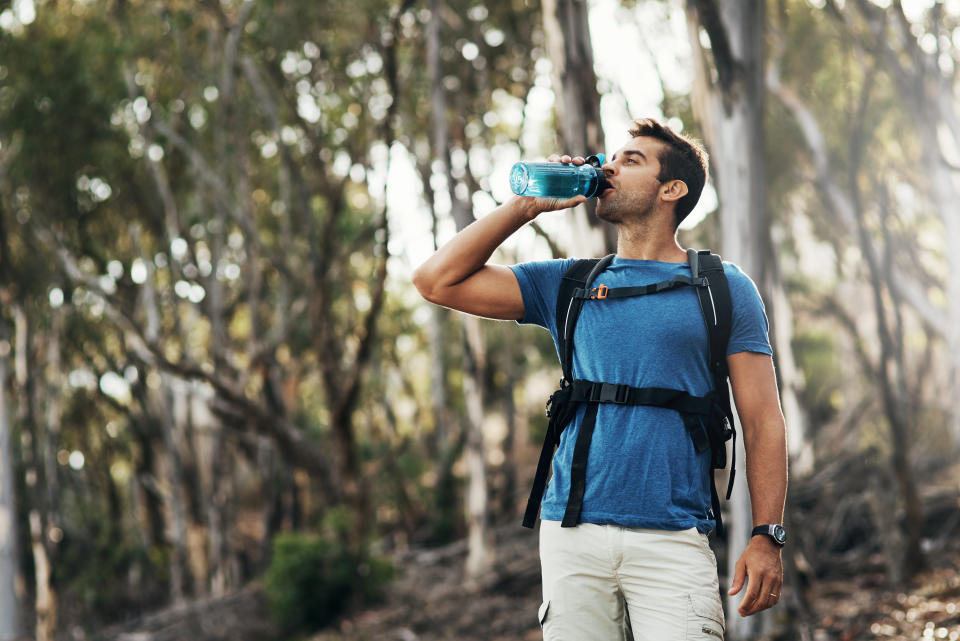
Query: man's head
point(679, 158)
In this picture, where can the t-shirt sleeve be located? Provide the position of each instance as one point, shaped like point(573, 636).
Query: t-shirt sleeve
point(539, 282)
point(750, 329)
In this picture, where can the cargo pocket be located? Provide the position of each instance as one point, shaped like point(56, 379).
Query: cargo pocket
point(542, 612)
point(704, 618)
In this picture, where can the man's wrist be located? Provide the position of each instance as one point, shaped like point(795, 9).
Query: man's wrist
point(774, 533)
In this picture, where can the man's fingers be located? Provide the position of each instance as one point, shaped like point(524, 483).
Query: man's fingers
point(573, 202)
point(566, 204)
point(764, 579)
point(760, 604)
point(749, 603)
point(566, 158)
point(555, 204)
point(739, 575)
point(763, 592)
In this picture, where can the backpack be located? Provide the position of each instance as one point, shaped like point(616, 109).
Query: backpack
point(707, 419)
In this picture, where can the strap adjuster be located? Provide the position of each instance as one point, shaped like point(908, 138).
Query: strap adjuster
point(599, 293)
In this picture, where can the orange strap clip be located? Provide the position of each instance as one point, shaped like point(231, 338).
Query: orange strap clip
point(599, 293)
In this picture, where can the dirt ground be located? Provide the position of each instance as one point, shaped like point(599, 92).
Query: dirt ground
point(430, 601)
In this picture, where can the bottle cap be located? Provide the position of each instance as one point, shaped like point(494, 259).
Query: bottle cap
point(596, 160)
point(519, 176)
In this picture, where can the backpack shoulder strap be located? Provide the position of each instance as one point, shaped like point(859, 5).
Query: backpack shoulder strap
point(579, 275)
point(716, 306)
point(717, 309)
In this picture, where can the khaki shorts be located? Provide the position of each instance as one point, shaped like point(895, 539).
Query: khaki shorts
point(665, 581)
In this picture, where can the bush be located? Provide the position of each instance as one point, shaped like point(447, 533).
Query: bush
point(312, 579)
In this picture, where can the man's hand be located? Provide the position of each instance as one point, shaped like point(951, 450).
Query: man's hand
point(761, 566)
point(535, 206)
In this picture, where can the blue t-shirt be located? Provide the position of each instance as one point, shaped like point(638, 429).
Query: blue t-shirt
point(642, 470)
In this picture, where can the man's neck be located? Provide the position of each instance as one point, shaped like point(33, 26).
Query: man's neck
point(649, 239)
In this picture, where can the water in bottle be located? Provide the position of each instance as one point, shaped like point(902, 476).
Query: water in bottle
point(559, 180)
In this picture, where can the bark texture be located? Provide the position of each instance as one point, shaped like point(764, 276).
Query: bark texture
point(729, 100)
point(10, 616)
point(567, 32)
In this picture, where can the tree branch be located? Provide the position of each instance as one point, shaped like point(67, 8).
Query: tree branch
point(838, 201)
point(290, 438)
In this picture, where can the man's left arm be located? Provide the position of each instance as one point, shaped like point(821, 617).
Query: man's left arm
point(754, 385)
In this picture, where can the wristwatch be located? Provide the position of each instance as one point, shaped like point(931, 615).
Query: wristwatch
point(775, 531)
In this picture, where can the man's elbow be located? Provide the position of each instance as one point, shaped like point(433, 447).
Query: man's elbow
point(425, 283)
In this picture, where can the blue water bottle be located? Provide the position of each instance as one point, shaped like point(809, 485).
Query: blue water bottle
point(559, 180)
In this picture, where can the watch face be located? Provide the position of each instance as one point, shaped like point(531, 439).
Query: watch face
point(779, 534)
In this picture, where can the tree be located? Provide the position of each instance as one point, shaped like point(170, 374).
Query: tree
point(10, 614)
point(926, 82)
point(451, 118)
point(889, 370)
point(729, 96)
point(567, 32)
point(193, 152)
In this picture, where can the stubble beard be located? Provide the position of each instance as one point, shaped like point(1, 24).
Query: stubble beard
point(619, 206)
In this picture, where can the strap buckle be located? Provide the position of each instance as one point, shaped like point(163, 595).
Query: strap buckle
point(599, 293)
point(608, 393)
point(614, 393)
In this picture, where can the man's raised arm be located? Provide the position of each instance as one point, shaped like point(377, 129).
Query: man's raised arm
point(458, 276)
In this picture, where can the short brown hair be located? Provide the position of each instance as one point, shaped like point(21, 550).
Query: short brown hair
point(683, 159)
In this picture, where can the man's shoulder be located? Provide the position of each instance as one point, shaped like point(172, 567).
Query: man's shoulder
point(738, 279)
point(544, 271)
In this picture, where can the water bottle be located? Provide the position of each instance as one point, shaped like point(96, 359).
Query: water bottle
point(559, 180)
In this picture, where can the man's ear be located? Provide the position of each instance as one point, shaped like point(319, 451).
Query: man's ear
point(673, 190)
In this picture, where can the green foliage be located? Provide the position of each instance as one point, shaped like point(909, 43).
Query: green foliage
point(106, 574)
point(313, 578)
point(817, 357)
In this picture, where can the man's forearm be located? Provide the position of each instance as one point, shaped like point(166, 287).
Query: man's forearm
point(471, 248)
point(766, 454)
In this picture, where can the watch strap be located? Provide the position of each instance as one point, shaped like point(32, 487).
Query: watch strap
point(771, 530)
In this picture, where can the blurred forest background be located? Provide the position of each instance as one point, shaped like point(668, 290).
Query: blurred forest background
point(224, 411)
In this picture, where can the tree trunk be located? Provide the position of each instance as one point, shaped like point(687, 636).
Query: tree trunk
point(34, 439)
point(729, 98)
point(480, 549)
point(509, 502)
point(890, 372)
point(567, 32)
point(11, 626)
point(170, 396)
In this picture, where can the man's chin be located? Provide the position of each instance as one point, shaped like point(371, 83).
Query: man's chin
point(606, 212)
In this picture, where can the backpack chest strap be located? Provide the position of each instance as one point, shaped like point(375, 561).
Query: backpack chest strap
point(584, 391)
point(602, 292)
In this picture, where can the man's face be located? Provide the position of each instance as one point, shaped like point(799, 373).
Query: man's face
point(632, 171)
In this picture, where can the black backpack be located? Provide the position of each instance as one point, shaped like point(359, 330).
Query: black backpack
point(708, 419)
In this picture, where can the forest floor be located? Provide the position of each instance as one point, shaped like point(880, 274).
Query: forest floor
point(430, 601)
point(864, 606)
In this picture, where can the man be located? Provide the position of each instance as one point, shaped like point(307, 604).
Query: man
point(640, 542)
